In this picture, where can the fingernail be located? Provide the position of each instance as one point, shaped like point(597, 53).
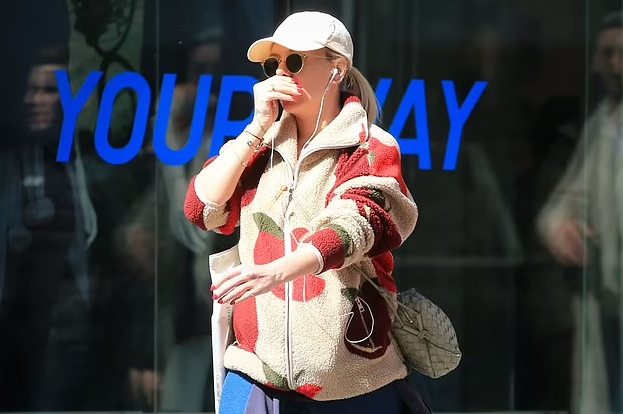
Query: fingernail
point(212, 287)
point(300, 90)
point(233, 302)
point(220, 301)
point(214, 297)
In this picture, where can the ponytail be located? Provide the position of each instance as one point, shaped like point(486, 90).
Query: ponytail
point(358, 85)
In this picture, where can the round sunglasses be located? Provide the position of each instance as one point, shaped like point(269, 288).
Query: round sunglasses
point(294, 63)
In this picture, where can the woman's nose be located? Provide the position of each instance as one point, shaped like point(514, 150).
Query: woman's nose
point(282, 70)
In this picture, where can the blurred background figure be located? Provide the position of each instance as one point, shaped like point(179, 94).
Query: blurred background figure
point(582, 225)
point(46, 224)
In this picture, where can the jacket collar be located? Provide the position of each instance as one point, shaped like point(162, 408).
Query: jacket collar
point(349, 128)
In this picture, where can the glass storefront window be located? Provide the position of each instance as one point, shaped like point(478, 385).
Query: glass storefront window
point(509, 120)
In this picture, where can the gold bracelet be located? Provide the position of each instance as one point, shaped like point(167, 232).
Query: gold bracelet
point(250, 142)
point(244, 164)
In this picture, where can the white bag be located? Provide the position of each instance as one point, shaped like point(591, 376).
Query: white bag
point(222, 331)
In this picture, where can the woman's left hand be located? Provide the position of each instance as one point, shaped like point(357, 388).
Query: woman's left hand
point(245, 281)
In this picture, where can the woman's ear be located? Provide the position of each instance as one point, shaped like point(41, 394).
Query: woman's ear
point(342, 66)
point(342, 69)
point(341, 76)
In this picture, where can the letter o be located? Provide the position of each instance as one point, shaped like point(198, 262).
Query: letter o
point(127, 80)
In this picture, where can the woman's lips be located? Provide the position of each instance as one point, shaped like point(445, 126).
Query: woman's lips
point(301, 89)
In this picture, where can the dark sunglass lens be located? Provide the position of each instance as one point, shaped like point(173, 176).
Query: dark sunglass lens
point(294, 63)
point(270, 67)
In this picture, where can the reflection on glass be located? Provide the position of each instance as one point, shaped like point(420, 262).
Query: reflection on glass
point(582, 226)
point(46, 223)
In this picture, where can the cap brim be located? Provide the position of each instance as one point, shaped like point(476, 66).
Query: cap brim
point(261, 49)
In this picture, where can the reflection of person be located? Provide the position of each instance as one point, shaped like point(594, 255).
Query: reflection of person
point(319, 197)
point(565, 236)
point(203, 58)
point(45, 216)
point(184, 388)
point(582, 225)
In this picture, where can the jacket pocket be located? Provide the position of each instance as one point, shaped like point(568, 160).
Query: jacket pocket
point(367, 332)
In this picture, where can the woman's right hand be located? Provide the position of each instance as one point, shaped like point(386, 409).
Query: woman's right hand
point(266, 95)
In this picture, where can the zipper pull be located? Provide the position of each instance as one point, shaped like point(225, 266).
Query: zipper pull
point(360, 306)
point(280, 191)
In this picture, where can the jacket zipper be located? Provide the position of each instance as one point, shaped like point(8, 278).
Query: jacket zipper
point(288, 244)
point(364, 323)
point(288, 300)
point(288, 286)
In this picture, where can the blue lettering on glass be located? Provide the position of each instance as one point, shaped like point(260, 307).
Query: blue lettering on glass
point(458, 118)
point(72, 106)
point(223, 126)
point(127, 80)
point(414, 99)
point(183, 155)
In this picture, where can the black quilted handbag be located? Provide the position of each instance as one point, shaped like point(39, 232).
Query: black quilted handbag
point(423, 332)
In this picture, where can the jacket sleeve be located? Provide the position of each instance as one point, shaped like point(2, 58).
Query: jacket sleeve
point(568, 199)
point(225, 218)
point(207, 215)
point(369, 211)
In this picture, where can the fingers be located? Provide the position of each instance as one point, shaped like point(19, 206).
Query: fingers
point(571, 254)
point(222, 284)
point(279, 96)
point(245, 296)
point(287, 86)
point(270, 91)
point(282, 80)
point(568, 243)
point(233, 296)
point(281, 88)
point(231, 283)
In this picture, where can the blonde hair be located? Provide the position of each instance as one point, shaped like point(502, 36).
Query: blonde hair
point(357, 84)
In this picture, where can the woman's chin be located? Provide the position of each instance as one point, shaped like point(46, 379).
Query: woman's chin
point(290, 106)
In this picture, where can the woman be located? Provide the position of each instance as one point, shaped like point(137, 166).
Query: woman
point(319, 198)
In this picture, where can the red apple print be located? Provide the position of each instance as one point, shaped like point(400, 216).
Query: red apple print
point(309, 390)
point(385, 162)
point(245, 325)
point(297, 235)
point(314, 286)
point(270, 246)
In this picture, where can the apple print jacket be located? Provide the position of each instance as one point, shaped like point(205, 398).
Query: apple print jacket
point(325, 336)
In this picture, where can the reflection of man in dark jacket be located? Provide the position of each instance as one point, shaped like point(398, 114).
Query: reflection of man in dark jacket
point(43, 239)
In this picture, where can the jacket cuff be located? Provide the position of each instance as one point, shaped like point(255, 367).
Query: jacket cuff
point(330, 247)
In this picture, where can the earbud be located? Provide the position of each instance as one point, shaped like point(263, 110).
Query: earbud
point(334, 73)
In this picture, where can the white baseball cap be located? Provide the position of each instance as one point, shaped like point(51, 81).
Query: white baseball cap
point(304, 32)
